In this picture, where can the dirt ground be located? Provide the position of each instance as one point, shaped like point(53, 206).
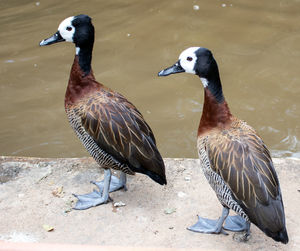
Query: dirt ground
point(36, 206)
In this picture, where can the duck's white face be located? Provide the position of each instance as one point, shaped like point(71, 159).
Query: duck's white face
point(187, 62)
point(188, 59)
point(66, 29)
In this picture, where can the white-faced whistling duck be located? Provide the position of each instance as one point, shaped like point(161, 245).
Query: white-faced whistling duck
point(112, 130)
point(234, 159)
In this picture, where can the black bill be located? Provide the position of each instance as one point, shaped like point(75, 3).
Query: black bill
point(176, 68)
point(52, 40)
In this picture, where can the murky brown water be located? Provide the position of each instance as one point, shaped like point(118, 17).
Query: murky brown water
point(256, 43)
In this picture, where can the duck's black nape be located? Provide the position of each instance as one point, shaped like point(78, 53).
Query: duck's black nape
point(214, 82)
point(84, 31)
point(207, 67)
point(84, 40)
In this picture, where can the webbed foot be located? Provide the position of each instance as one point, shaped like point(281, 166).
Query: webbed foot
point(95, 198)
point(115, 183)
point(211, 226)
point(235, 224)
point(208, 226)
point(92, 199)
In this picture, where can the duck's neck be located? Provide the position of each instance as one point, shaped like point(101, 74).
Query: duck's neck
point(81, 80)
point(213, 84)
point(216, 113)
point(85, 58)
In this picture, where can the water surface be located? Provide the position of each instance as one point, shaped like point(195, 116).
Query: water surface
point(256, 44)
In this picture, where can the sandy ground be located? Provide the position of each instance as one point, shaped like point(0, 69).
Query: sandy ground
point(36, 196)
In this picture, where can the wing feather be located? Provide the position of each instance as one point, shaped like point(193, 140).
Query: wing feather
point(120, 130)
point(241, 158)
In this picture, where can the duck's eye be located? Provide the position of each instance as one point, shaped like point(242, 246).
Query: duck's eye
point(189, 59)
point(69, 28)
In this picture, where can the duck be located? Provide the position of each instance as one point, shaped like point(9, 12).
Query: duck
point(234, 159)
point(109, 126)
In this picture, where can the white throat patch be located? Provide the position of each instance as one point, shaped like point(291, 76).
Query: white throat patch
point(66, 29)
point(188, 59)
point(204, 82)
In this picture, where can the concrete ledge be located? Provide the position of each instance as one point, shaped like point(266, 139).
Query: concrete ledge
point(36, 196)
point(9, 246)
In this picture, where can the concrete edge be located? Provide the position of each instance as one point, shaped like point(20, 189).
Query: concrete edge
point(10, 246)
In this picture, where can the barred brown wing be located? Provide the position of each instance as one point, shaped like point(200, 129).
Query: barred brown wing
point(120, 130)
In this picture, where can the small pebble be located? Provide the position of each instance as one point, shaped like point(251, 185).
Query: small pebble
point(196, 7)
point(48, 228)
point(187, 178)
point(68, 210)
point(37, 3)
point(119, 204)
point(181, 194)
point(223, 5)
point(170, 210)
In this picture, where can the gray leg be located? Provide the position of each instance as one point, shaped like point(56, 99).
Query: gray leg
point(115, 183)
point(235, 223)
point(210, 226)
point(95, 198)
